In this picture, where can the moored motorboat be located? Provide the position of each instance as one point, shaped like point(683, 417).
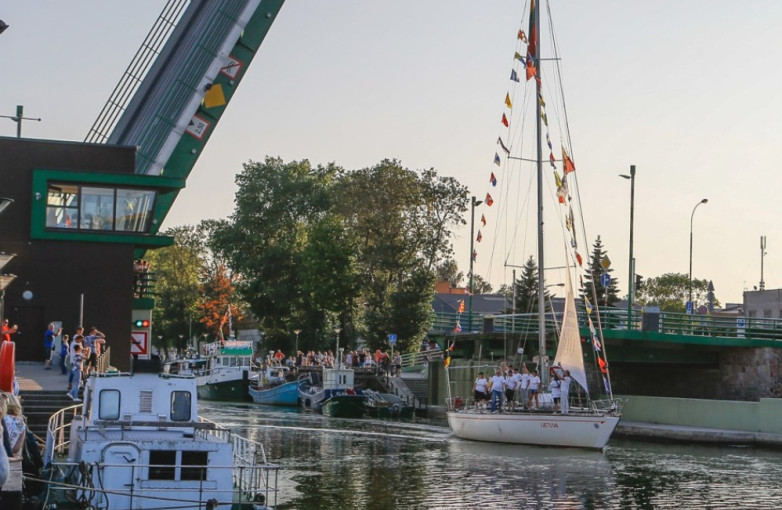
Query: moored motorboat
point(335, 381)
point(387, 405)
point(225, 373)
point(274, 387)
point(138, 443)
point(344, 406)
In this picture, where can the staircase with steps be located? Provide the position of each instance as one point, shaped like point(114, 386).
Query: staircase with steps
point(38, 406)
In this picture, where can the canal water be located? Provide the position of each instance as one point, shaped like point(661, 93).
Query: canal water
point(333, 463)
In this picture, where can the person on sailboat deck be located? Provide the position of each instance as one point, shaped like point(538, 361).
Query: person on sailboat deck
point(556, 391)
point(479, 391)
point(525, 377)
point(534, 384)
point(565, 383)
point(497, 384)
point(512, 382)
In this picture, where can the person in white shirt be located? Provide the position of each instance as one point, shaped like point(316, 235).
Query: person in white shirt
point(534, 385)
point(511, 384)
point(479, 390)
point(525, 377)
point(556, 390)
point(497, 385)
point(566, 392)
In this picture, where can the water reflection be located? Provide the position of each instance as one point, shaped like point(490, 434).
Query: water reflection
point(357, 464)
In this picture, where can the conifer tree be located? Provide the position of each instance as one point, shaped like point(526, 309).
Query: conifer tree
point(607, 296)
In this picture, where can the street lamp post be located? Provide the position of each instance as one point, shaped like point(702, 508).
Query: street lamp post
point(336, 330)
point(181, 343)
point(297, 331)
point(705, 200)
point(631, 262)
point(475, 203)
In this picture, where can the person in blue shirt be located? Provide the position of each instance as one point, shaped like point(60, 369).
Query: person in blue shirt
point(48, 342)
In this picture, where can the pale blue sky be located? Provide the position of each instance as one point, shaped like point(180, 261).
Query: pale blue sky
point(688, 91)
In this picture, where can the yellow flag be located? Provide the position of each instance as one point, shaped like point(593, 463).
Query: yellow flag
point(507, 100)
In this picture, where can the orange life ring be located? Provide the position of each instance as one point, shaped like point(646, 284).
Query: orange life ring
point(7, 367)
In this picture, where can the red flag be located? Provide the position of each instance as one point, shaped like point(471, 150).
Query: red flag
point(493, 179)
point(602, 365)
point(504, 120)
point(461, 306)
point(489, 200)
point(483, 220)
point(567, 162)
point(530, 69)
point(479, 237)
point(579, 259)
point(522, 36)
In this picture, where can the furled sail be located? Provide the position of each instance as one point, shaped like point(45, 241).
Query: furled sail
point(569, 352)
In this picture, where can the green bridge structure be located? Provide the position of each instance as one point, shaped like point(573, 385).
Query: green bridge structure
point(652, 337)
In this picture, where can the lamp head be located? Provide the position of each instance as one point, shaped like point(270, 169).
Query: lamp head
point(705, 200)
point(3, 26)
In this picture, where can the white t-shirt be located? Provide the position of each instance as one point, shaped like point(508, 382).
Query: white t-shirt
point(534, 382)
point(513, 381)
point(566, 384)
point(556, 388)
point(496, 382)
point(480, 384)
point(525, 381)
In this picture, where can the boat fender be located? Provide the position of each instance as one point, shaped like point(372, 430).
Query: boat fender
point(396, 408)
point(458, 402)
point(7, 367)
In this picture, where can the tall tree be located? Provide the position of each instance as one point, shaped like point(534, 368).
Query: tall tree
point(177, 271)
point(276, 205)
point(448, 271)
point(606, 295)
point(527, 288)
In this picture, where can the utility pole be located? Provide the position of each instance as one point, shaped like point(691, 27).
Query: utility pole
point(18, 118)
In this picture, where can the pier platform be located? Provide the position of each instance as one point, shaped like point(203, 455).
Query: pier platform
point(32, 376)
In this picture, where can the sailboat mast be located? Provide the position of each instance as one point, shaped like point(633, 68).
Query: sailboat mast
point(539, 129)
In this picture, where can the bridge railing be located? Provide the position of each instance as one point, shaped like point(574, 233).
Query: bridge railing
point(616, 319)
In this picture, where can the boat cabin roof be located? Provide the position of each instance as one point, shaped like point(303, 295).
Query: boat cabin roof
point(141, 397)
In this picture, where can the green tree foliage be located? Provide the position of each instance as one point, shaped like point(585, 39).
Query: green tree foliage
point(176, 270)
point(605, 295)
point(480, 286)
point(527, 288)
point(671, 291)
point(448, 271)
point(318, 247)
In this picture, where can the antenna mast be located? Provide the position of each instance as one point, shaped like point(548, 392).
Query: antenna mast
point(762, 254)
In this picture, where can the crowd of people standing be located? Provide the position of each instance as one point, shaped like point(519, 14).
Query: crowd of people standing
point(523, 388)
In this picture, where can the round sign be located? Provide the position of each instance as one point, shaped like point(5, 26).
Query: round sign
point(605, 279)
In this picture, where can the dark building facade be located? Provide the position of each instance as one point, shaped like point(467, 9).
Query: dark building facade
point(80, 216)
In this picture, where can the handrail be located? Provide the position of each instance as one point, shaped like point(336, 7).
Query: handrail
point(641, 320)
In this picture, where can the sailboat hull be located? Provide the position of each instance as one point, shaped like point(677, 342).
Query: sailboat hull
point(578, 431)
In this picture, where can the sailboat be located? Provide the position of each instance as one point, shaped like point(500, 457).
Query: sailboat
point(585, 426)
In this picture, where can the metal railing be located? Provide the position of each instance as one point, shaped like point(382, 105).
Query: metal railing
point(669, 323)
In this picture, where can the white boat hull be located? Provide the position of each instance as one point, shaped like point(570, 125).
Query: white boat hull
point(574, 430)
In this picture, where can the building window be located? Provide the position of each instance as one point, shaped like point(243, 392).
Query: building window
point(752, 314)
point(108, 405)
point(766, 314)
point(95, 208)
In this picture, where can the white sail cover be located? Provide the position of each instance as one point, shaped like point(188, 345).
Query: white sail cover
point(569, 352)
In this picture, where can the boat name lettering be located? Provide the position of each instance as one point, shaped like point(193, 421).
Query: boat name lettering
point(549, 425)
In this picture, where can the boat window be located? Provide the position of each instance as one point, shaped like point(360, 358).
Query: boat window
point(180, 405)
point(194, 465)
point(162, 464)
point(108, 405)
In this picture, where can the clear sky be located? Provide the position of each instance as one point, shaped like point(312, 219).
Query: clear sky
point(688, 91)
